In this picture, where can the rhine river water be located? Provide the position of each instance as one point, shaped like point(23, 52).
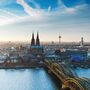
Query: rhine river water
point(31, 79)
point(26, 79)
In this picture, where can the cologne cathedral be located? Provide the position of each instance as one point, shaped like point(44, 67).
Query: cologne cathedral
point(36, 49)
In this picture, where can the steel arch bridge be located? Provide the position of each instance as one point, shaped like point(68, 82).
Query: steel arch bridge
point(68, 78)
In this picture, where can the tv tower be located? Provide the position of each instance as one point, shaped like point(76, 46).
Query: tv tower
point(59, 39)
point(82, 42)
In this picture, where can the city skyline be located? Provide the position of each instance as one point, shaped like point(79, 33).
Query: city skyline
point(19, 18)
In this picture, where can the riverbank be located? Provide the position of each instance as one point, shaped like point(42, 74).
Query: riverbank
point(22, 66)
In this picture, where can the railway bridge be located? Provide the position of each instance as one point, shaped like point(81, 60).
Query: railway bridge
point(68, 78)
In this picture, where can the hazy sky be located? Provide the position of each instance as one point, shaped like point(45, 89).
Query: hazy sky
point(19, 18)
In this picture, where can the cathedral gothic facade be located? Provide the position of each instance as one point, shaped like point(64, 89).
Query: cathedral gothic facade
point(36, 49)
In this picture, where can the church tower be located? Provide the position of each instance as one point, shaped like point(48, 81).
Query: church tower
point(36, 50)
point(37, 40)
point(32, 40)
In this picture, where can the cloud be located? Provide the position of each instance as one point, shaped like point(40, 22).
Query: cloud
point(34, 13)
point(66, 20)
point(7, 17)
point(64, 9)
point(81, 10)
point(61, 15)
point(37, 15)
point(49, 8)
point(61, 9)
point(35, 4)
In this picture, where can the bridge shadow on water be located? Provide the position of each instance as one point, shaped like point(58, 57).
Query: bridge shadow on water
point(57, 82)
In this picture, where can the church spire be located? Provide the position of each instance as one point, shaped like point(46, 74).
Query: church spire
point(37, 40)
point(32, 40)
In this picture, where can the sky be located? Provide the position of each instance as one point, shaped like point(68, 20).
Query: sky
point(51, 18)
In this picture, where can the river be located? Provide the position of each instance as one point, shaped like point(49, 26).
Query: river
point(26, 79)
point(83, 72)
point(31, 79)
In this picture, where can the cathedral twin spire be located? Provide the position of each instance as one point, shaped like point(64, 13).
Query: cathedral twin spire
point(33, 43)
